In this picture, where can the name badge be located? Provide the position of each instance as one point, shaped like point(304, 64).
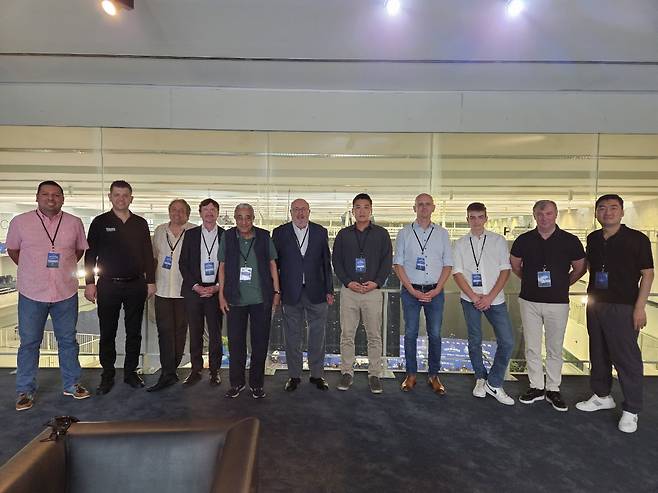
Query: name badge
point(245, 273)
point(52, 262)
point(360, 265)
point(601, 280)
point(166, 263)
point(110, 230)
point(209, 268)
point(476, 279)
point(544, 279)
point(420, 263)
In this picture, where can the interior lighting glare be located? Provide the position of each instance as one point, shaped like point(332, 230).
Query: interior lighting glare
point(393, 7)
point(109, 7)
point(515, 7)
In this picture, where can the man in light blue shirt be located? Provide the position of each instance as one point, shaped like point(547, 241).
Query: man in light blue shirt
point(423, 261)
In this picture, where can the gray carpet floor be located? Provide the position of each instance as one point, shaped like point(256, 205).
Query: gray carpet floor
point(355, 441)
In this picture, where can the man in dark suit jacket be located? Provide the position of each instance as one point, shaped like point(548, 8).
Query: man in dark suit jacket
point(199, 267)
point(306, 290)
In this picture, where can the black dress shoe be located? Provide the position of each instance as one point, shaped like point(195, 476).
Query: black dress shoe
point(192, 378)
point(215, 379)
point(105, 386)
point(292, 384)
point(162, 383)
point(134, 380)
point(320, 383)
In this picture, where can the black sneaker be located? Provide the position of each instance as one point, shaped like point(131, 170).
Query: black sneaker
point(233, 392)
point(258, 393)
point(556, 401)
point(532, 395)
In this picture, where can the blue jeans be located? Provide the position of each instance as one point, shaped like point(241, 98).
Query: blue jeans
point(499, 319)
point(32, 316)
point(433, 318)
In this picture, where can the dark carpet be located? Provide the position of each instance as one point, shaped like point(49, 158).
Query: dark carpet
point(314, 441)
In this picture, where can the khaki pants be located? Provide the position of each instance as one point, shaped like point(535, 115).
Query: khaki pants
point(354, 307)
point(552, 318)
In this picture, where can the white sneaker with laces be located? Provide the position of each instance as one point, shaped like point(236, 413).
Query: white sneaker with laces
point(478, 390)
point(628, 422)
point(596, 403)
point(499, 393)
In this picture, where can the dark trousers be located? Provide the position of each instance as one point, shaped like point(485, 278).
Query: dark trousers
point(171, 319)
point(259, 318)
point(613, 341)
point(110, 297)
point(200, 310)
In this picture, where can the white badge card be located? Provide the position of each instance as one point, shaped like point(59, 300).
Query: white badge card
point(544, 279)
point(601, 280)
point(360, 265)
point(52, 262)
point(209, 268)
point(476, 279)
point(166, 263)
point(420, 263)
point(245, 273)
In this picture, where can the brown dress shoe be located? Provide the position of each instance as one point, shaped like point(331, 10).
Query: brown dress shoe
point(436, 385)
point(409, 383)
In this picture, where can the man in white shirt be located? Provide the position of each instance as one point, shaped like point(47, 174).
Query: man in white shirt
point(481, 270)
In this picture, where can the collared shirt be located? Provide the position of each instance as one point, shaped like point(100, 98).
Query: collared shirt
point(118, 249)
point(373, 244)
point(209, 248)
point(26, 234)
point(490, 251)
point(168, 281)
point(431, 244)
point(302, 235)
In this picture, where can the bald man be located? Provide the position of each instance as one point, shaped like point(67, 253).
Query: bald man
point(306, 291)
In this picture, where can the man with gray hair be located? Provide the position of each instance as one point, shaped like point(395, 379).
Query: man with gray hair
point(547, 260)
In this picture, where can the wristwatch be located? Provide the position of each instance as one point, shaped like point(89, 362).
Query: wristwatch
point(277, 292)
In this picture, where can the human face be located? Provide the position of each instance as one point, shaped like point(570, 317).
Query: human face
point(424, 207)
point(244, 220)
point(50, 200)
point(545, 217)
point(300, 211)
point(476, 220)
point(178, 213)
point(362, 211)
point(609, 213)
point(209, 214)
point(121, 198)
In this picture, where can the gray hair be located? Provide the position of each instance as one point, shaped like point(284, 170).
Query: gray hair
point(244, 206)
point(542, 204)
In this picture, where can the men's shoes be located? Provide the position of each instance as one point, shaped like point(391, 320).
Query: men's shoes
point(134, 380)
point(555, 399)
point(105, 386)
point(77, 391)
point(258, 393)
point(215, 379)
point(627, 423)
point(291, 384)
point(193, 378)
point(233, 392)
point(499, 393)
point(162, 383)
point(479, 390)
point(24, 401)
point(345, 382)
point(436, 385)
point(409, 383)
point(375, 384)
point(531, 395)
point(596, 403)
point(319, 382)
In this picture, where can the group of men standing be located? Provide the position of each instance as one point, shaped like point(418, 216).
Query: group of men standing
point(198, 273)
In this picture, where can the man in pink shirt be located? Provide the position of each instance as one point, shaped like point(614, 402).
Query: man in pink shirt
point(46, 245)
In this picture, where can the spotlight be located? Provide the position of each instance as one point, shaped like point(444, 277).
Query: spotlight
point(393, 7)
point(515, 7)
point(111, 7)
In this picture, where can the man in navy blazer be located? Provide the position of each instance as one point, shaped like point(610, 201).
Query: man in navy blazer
point(306, 291)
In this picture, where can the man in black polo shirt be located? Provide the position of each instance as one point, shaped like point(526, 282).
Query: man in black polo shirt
point(548, 260)
point(120, 247)
point(619, 257)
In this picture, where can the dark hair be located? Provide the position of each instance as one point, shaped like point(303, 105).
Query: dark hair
point(50, 183)
point(185, 204)
point(609, 196)
point(206, 202)
point(477, 207)
point(121, 184)
point(362, 196)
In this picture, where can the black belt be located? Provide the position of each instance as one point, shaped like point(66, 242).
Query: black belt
point(121, 279)
point(423, 288)
point(207, 284)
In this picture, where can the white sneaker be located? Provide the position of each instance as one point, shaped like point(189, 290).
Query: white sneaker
point(628, 422)
point(596, 403)
point(478, 390)
point(499, 393)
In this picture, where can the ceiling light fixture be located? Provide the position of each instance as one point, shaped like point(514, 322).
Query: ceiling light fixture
point(515, 7)
point(393, 7)
point(111, 7)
